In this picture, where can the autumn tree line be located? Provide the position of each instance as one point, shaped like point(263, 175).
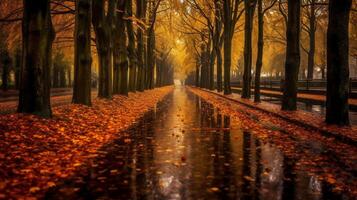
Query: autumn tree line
point(212, 24)
point(120, 32)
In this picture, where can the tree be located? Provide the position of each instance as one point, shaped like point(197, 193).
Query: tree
point(38, 36)
point(120, 51)
point(230, 18)
point(6, 64)
point(249, 6)
point(17, 66)
point(217, 41)
point(102, 23)
point(312, 33)
point(140, 15)
point(151, 38)
point(337, 62)
point(82, 57)
point(292, 61)
point(131, 47)
point(259, 62)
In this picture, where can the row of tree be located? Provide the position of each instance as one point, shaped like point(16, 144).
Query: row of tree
point(125, 45)
point(226, 13)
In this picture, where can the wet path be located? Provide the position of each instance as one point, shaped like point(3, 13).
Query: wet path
point(185, 149)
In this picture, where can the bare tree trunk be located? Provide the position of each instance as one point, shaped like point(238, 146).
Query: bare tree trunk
point(6, 64)
point(140, 14)
point(102, 27)
point(228, 23)
point(150, 57)
point(217, 42)
point(38, 36)
point(211, 62)
point(62, 77)
point(69, 76)
point(131, 47)
point(292, 62)
point(219, 70)
point(55, 75)
point(337, 62)
point(311, 53)
point(259, 63)
point(197, 72)
point(82, 59)
point(249, 6)
point(17, 66)
point(121, 57)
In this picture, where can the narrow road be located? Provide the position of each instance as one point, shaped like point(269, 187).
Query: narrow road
point(186, 149)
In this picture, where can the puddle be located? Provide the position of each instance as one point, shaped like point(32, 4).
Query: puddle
point(186, 149)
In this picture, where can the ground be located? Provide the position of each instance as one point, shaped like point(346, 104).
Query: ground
point(171, 143)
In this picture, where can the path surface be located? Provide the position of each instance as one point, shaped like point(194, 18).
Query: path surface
point(187, 149)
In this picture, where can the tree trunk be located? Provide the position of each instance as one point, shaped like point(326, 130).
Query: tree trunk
point(311, 53)
point(55, 75)
point(259, 63)
point(38, 36)
point(69, 76)
point(102, 27)
point(219, 70)
point(197, 73)
point(292, 62)
point(217, 43)
point(150, 57)
point(212, 58)
point(131, 47)
point(228, 35)
point(62, 77)
point(337, 62)
point(17, 66)
point(120, 51)
point(6, 64)
point(140, 14)
point(82, 53)
point(249, 6)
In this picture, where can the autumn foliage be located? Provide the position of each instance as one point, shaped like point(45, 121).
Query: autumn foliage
point(37, 153)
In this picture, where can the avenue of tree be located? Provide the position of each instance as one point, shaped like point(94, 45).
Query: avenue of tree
point(135, 44)
point(125, 62)
point(298, 16)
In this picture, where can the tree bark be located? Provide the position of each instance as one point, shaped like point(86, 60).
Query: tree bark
point(311, 53)
point(82, 55)
point(131, 47)
point(102, 26)
point(337, 62)
point(121, 55)
point(140, 14)
point(217, 43)
point(17, 67)
point(212, 58)
point(249, 6)
point(197, 72)
point(38, 35)
point(55, 74)
point(150, 58)
point(6, 64)
point(292, 61)
point(228, 23)
point(259, 63)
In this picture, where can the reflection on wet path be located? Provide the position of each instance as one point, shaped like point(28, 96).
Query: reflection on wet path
point(185, 149)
